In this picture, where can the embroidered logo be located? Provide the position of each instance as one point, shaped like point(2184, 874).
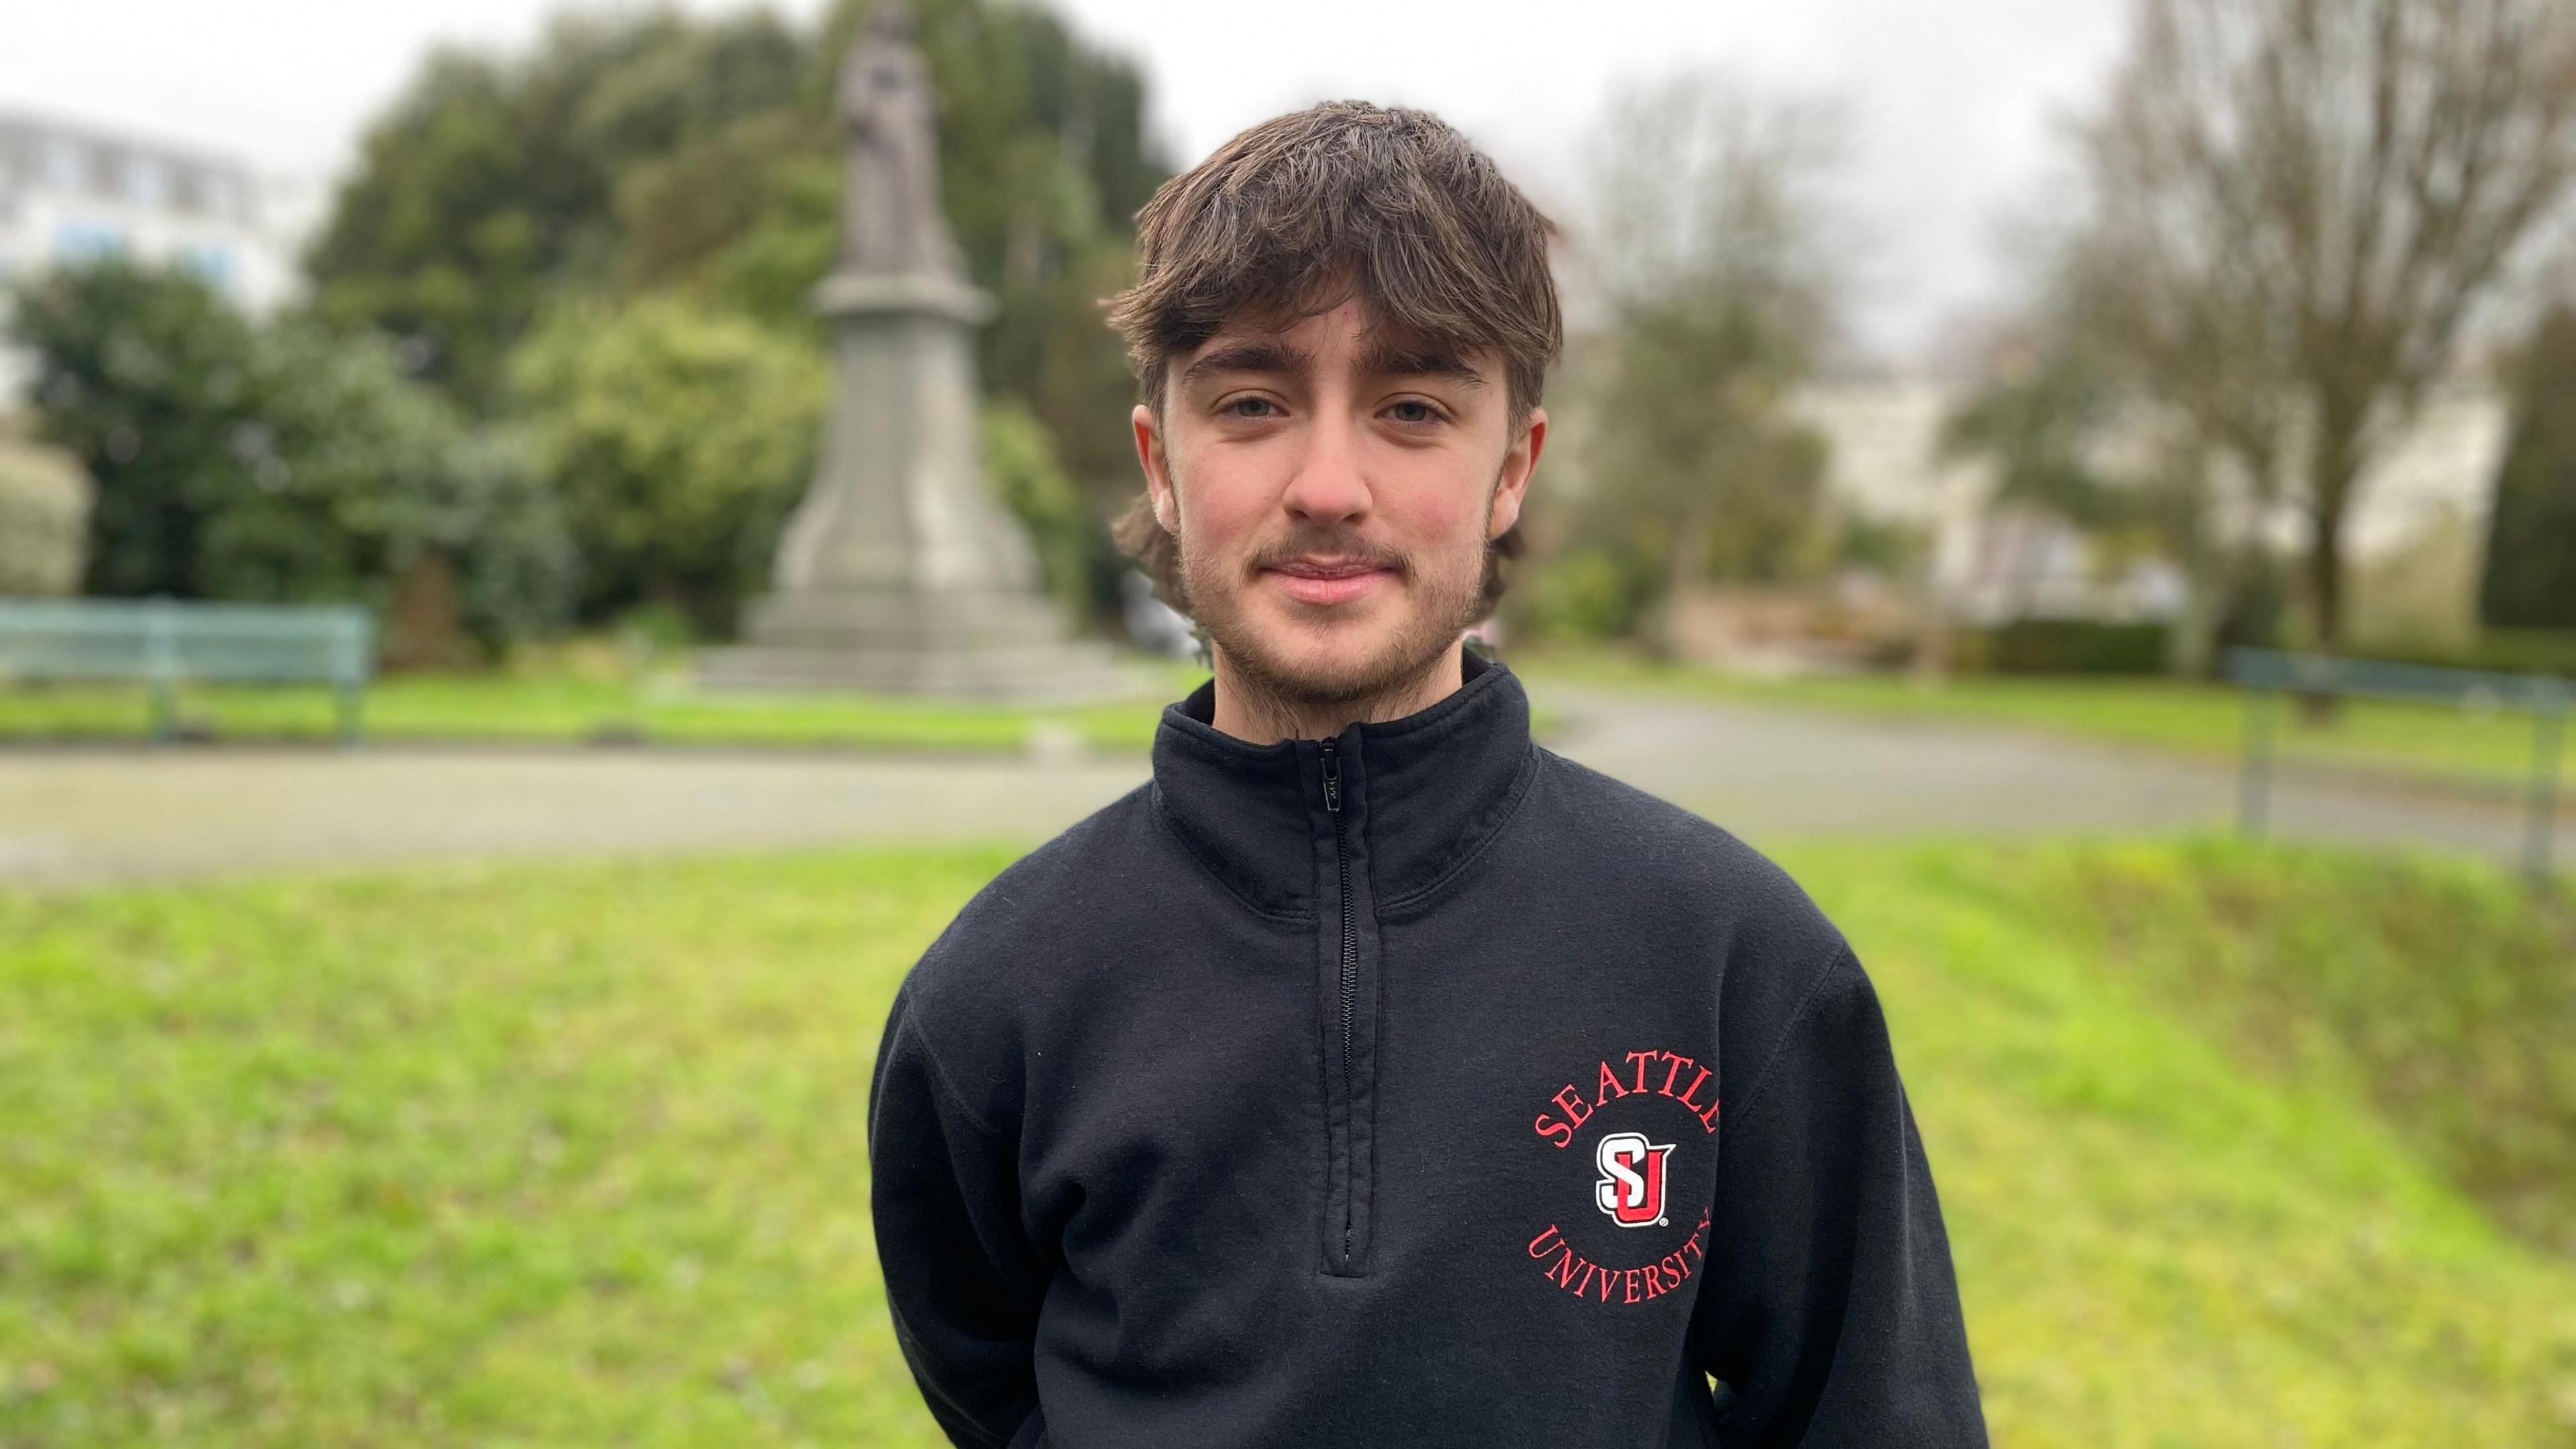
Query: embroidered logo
point(1613, 1117)
point(1631, 1189)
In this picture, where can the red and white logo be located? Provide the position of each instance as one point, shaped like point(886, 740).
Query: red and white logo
point(1637, 1177)
point(1631, 1189)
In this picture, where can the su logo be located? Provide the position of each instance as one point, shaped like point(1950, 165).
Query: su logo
point(1631, 1189)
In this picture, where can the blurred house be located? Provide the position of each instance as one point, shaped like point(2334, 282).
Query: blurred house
point(2415, 532)
point(71, 191)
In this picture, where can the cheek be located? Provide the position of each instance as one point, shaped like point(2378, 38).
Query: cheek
point(1444, 516)
point(1226, 503)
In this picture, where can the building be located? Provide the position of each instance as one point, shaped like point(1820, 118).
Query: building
point(70, 192)
point(2417, 526)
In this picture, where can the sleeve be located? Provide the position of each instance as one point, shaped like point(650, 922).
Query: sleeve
point(961, 1282)
point(1830, 1309)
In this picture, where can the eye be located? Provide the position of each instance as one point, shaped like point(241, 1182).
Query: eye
point(1413, 410)
point(1250, 405)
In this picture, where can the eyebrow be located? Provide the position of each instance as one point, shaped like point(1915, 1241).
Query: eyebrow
point(1264, 355)
point(1394, 359)
point(1382, 359)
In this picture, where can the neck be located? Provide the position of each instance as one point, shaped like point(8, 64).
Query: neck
point(1255, 714)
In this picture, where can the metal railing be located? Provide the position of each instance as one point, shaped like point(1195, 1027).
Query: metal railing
point(2268, 674)
point(164, 643)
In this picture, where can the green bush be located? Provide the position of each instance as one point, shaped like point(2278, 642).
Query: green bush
point(2502, 651)
point(646, 149)
point(2530, 577)
point(1585, 593)
point(279, 462)
point(1021, 468)
point(677, 437)
point(2064, 646)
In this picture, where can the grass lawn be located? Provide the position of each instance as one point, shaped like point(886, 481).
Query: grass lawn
point(2204, 1202)
point(569, 706)
point(2488, 750)
point(2239, 1146)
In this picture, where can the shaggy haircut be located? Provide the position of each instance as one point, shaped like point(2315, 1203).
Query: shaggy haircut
point(1292, 218)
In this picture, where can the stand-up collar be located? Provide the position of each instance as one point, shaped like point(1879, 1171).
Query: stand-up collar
point(1424, 791)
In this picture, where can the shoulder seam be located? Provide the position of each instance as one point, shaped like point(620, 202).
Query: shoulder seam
point(1843, 958)
point(943, 1083)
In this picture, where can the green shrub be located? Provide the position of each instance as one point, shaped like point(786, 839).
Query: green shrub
point(1020, 467)
point(275, 462)
point(678, 436)
point(2064, 646)
point(2502, 651)
point(2530, 577)
point(1585, 593)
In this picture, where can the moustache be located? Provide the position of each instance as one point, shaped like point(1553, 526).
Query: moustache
point(1332, 546)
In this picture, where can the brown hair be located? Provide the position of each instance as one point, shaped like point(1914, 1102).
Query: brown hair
point(1292, 217)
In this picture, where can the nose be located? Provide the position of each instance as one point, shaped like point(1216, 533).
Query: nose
point(1330, 486)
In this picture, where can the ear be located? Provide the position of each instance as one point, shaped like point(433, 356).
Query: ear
point(1158, 472)
point(1519, 461)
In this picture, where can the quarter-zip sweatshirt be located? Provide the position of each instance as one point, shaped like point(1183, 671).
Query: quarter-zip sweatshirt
point(1416, 1086)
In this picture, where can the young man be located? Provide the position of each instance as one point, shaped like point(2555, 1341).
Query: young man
point(1373, 1076)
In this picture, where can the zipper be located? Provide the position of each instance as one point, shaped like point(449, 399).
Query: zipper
point(1350, 974)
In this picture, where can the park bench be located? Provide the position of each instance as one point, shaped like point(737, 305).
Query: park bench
point(163, 643)
point(2267, 674)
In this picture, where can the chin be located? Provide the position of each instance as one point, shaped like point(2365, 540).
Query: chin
point(1334, 665)
point(1335, 655)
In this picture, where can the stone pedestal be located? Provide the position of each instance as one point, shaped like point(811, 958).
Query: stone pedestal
point(900, 571)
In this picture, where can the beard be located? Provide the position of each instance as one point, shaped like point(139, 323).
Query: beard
point(1433, 606)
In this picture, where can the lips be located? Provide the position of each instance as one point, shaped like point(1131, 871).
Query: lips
point(1329, 581)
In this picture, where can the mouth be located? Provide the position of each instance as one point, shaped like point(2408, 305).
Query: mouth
point(1329, 581)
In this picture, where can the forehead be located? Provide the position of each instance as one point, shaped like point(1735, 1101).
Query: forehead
point(1349, 337)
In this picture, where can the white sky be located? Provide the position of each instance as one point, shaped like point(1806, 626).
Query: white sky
point(1951, 100)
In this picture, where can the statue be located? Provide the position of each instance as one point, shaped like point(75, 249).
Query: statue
point(899, 570)
point(890, 217)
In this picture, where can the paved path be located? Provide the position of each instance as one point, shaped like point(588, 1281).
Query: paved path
point(71, 816)
point(1769, 774)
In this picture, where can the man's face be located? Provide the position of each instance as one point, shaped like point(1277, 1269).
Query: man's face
point(1333, 488)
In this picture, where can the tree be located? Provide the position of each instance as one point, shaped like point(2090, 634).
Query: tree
point(2043, 426)
point(491, 182)
point(2066, 438)
point(2530, 578)
point(1020, 463)
point(146, 377)
point(677, 438)
point(651, 150)
point(284, 463)
point(2296, 208)
point(1711, 249)
point(363, 483)
point(636, 155)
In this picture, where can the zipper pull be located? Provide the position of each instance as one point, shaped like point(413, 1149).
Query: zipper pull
point(1332, 779)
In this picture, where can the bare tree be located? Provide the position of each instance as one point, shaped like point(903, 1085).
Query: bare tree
point(2065, 440)
point(2119, 400)
point(1711, 241)
point(2297, 208)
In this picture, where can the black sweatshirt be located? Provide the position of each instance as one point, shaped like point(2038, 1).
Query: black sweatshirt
point(1416, 1086)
